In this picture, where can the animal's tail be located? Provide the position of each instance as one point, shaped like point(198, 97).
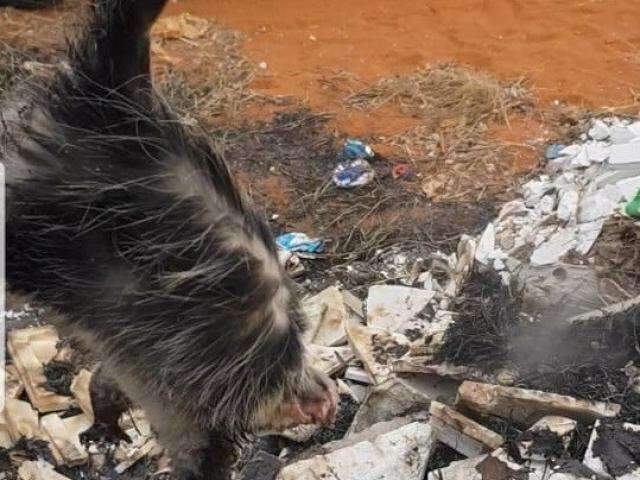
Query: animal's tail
point(114, 50)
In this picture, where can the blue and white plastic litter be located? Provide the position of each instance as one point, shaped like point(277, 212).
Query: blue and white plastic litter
point(354, 170)
point(554, 151)
point(296, 242)
point(355, 149)
point(354, 174)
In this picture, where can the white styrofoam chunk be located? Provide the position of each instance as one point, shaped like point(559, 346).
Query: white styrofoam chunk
point(401, 454)
point(568, 204)
point(582, 158)
point(599, 204)
point(624, 153)
point(597, 152)
point(629, 187)
point(599, 130)
point(534, 190)
point(392, 306)
point(587, 234)
point(486, 244)
point(620, 134)
point(559, 244)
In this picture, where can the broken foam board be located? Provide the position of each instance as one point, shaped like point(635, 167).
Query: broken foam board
point(461, 433)
point(39, 470)
point(401, 454)
point(13, 386)
point(548, 438)
point(64, 440)
point(329, 360)
point(5, 436)
point(326, 314)
point(137, 454)
point(387, 401)
point(529, 406)
point(393, 307)
point(21, 419)
point(498, 466)
point(376, 349)
point(30, 349)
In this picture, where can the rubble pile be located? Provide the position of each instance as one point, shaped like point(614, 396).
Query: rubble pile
point(418, 366)
point(45, 435)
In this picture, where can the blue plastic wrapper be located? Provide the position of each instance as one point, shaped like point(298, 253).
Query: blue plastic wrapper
point(354, 174)
point(355, 149)
point(553, 151)
point(299, 242)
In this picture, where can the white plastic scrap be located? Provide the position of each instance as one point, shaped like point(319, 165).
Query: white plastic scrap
point(625, 153)
point(599, 204)
point(486, 244)
point(599, 130)
point(587, 235)
point(534, 190)
point(597, 152)
point(620, 134)
point(568, 204)
point(558, 245)
point(566, 209)
point(628, 187)
point(393, 307)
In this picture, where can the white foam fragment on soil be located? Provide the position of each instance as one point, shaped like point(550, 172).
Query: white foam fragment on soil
point(624, 153)
point(564, 210)
point(393, 307)
point(398, 455)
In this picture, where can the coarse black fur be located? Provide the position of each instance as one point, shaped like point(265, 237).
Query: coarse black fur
point(133, 227)
point(28, 4)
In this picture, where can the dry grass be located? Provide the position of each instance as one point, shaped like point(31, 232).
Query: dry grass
point(10, 66)
point(458, 163)
point(622, 265)
point(445, 92)
point(451, 148)
point(207, 78)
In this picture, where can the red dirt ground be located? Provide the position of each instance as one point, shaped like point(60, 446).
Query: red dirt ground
point(585, 53)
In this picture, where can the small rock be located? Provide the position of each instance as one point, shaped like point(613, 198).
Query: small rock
point(534, 190)
point(568, 204)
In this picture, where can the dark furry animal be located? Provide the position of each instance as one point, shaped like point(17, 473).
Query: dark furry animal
point(135, 230)
point(28, 4)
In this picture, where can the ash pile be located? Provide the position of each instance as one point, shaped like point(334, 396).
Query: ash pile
point(515, 357)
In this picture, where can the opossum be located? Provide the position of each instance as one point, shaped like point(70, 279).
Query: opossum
point(132, 226)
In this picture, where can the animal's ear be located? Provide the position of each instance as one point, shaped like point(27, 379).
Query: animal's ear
point(114, 50)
